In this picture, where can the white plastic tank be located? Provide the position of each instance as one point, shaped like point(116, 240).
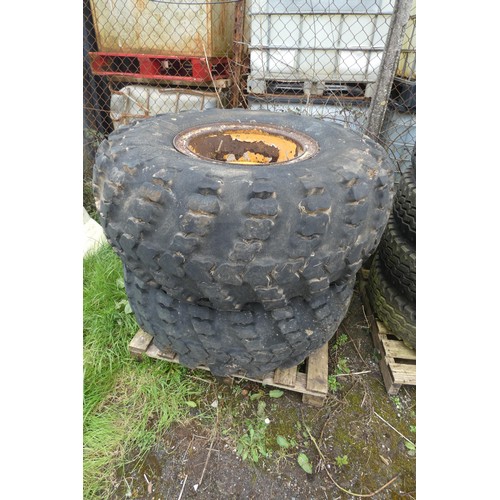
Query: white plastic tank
point(317, 40)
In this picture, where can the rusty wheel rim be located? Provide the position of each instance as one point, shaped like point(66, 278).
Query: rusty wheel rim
point(246, 144)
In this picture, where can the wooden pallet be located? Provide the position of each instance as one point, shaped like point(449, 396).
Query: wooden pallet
point(313, 384)
point(399, 363)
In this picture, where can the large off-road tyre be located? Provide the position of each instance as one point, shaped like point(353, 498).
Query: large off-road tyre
point(226, 234)
point(405, 204)
point(391, 306)
point(399, 260)
point(253, 341)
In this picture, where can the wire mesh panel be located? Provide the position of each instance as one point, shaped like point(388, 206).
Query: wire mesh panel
point(399, 130)
point(317, 42)
point(317, 57)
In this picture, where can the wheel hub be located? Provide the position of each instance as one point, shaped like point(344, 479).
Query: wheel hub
point(251, 144)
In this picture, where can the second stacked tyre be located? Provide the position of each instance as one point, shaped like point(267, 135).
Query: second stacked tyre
point(392, 280)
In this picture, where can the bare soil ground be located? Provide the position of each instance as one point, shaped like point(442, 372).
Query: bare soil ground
point(360, 444)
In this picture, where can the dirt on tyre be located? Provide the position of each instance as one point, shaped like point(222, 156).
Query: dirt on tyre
point(391, 306)
point(228, 207)
point(254, 341)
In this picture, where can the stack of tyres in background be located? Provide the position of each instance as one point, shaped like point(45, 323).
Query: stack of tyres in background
point(392, 280)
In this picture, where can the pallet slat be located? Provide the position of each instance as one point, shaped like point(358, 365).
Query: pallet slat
point(140, 343)
point(404, 373)
point(316, 364)
point(317, 375)
point(313, 384)
point(286, 376)
point(396, 349)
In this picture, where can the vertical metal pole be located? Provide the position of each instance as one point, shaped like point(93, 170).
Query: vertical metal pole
point(237, 98)
point(96, 95)
point(387, 70)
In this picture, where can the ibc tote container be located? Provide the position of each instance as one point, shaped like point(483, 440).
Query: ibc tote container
point(181, 28)
point(317, 40)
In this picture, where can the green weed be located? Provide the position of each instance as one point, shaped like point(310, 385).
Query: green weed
point(341, 460)
point(333, 383)
point(341, 341)
point(397, 402)
point(253, 443)
point(341, 364)
point(341, 368)
point(285, 443)
point(285, 450)
point(304, 462)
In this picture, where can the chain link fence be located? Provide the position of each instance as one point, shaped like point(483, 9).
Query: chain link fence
point(330, 59)
point(398, 133)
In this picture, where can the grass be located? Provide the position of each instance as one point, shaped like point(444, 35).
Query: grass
point(127, 405)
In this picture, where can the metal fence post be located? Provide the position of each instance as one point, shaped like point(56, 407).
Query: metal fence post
point(388, 66)
point(237, 98)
